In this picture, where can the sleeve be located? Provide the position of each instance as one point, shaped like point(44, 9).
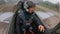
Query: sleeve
point(37, 20)
point(18, 24)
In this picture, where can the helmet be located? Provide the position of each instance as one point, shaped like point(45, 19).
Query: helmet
point(28, 4)
point(20, 4)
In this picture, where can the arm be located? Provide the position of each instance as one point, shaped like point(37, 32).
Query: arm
point(38, 22)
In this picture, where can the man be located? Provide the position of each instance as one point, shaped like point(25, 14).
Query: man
point(27, 13)
point(26, 20)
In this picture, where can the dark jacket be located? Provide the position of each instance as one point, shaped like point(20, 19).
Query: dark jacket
point(17, 22)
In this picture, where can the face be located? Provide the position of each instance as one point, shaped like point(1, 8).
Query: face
point(31, 9)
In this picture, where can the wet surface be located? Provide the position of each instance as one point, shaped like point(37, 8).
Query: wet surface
point(4, 18)
point(50, 20)
point(3, 28)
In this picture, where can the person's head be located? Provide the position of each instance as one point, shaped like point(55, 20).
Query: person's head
point(29, 6)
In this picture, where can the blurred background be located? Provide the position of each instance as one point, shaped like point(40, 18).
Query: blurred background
point(54, 5)
point(49, 7)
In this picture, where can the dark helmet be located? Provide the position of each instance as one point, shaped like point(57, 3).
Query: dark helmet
point(28, 4)
point(20, 4)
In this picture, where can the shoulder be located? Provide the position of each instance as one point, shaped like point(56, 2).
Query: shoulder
point(20, 13)
point(34, 14)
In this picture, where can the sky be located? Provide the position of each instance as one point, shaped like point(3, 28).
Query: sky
point(53, 1)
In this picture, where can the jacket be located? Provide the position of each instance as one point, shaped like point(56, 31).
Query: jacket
point(17, 22)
